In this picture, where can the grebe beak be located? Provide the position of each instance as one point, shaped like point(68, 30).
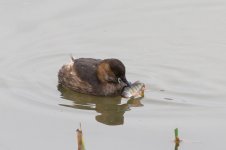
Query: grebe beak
point(126, 82)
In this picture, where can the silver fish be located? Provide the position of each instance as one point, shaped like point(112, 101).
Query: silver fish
point(134, 91)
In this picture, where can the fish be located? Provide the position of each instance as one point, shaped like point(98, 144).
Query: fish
point(135, 90)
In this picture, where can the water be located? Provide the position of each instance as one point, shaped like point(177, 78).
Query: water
point(177, 48)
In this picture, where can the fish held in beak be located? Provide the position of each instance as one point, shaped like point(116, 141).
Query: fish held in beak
point(136, 90)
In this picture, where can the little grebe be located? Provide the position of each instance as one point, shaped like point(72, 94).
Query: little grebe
point(94, 76)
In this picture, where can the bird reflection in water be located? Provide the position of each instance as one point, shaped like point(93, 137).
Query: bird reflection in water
point(111, 109)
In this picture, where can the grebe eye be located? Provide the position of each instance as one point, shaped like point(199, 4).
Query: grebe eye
point(119, 80)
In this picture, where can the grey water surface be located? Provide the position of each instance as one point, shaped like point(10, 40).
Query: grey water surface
point(176, 47)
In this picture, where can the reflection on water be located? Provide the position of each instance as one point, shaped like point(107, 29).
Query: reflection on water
point(111, 109)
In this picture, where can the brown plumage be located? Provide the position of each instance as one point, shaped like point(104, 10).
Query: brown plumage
point(94, 76)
